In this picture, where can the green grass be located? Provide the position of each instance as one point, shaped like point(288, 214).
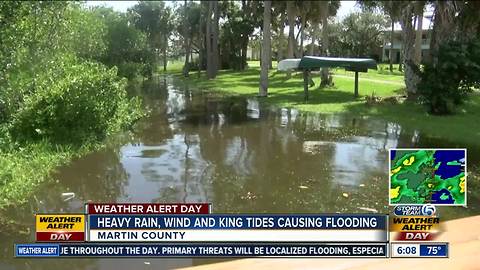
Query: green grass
point(24, 169)
point(458, 129)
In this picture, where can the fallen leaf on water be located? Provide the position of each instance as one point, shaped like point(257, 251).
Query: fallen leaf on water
point(345, 195)
point(303, 187)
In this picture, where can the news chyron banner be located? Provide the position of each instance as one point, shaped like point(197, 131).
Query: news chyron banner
point(191, 230)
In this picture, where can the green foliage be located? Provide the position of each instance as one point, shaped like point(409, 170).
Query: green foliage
point(88, 32)
point(56, 100)
point(235, 32)
point(447, 84)
point(155, 20)
point(360, 34)
point(127, 47)
point(74, 101)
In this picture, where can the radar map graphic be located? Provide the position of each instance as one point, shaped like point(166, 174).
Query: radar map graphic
point(428, 176)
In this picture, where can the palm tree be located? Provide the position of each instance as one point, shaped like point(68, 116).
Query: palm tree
point(201, 39)
point(279, 17)
point(327, 9)
point(291, 16)
point(393, 12)
point(411, 68)
point(418, 35)
point(392, 9)
point(186, 40)
point(266, 49)
point(212, 39)
point(304, 8)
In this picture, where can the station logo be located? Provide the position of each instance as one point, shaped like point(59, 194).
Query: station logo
point(415, 210)
point(60, 228)
point(415, 223)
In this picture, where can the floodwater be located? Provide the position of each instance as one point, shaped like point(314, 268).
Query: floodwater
point(199, 147)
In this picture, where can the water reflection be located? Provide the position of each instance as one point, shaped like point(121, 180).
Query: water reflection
point(242, 157)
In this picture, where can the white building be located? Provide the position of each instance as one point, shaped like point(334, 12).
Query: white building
point(398, 42)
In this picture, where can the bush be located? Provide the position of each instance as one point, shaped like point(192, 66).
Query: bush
point(74, 102)
point(129, 70)
point(447, 84)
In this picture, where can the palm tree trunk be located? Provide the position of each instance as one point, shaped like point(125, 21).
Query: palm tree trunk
point(324, 74)
point(187, 42)
point(266, 48)
point(281, 38)
point(390, 55)
point(201, 39)
point(314, 37)
point(212, 39)
point(291, 31)
point(216, 56)
point(443, 25)
point(302, 34)
point(165, 41)
point(411, 69)
point(418, 38)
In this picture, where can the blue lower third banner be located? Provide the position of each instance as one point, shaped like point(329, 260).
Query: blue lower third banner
point(203, 250)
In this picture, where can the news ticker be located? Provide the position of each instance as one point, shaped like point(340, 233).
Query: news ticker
point(331, 250)
point(378, 250)
point(193, 227)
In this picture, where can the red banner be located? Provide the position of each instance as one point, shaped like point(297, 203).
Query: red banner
point(416, 236)
point(60, 236)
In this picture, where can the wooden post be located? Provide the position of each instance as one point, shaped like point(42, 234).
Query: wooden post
point(356, 83)
point(305, 84)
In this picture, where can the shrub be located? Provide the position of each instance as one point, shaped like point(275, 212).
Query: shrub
point(447, 84)
point(74, 102)
point(129, 70)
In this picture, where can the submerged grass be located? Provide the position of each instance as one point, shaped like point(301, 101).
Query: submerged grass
point(24, 169)
point(460, 128)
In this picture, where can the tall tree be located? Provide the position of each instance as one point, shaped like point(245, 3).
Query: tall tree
point(453, 20)
point(212, 39)
point(418, 34)
point(186, 39)
point(316, 21)
point(250, 10)
point(154, 18)
point(362, 33)
point(304, 8)
point(327, 9)
point(392, 9)
point(278, 23)
point(266, 49)
point(412, 70)
point(166, 28)
point(201, 38)
point(291, 17)
point(443, 27)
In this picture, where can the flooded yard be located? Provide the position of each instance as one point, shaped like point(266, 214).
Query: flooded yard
point(196, 146)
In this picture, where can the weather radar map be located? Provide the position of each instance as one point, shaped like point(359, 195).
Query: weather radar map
point(428, 176)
